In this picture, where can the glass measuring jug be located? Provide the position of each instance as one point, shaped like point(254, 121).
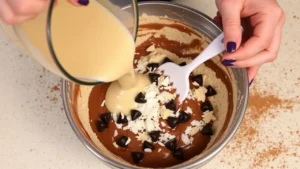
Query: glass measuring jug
point(80, 44)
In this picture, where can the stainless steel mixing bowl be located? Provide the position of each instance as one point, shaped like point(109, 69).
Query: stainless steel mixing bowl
point(204, 25)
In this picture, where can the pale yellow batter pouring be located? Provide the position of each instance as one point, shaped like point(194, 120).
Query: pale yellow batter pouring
point(91, 43)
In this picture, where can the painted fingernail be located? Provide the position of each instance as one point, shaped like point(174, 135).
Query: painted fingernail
point(231, 47)
point(251, 82)
point(83, 2)
point(228, 62)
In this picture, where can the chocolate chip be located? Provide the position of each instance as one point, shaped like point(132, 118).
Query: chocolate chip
point(135, 114)
point(154, 77)
point(171, 144)
point(166, 60)
point(146, 145)
point(154, 135)
point(122, 119)
point(182, 64)
point(206, 106)
point(122, 141)
point(140, 98)
point(184, 117)
point(210, 91)
point(207, 130)
point(178, 154)
point(101, 126)
point(198, 79)
point(172, 121)
point(137, 156)
point(171, 105)
point(152, 66)
point(106, 117)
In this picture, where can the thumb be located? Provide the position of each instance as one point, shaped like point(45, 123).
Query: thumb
point(230, 11)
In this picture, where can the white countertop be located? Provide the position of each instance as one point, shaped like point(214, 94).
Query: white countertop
point(35, 133)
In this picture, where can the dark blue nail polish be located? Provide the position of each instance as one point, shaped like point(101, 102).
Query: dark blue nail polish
point(251, 82)
point(83, 2)
point(231, 47)
point(228, 62)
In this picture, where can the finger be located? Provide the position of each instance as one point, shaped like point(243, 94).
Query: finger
point(268, 55)
point(252, 72)
point(79, 2)
point(230, 12)
point(276, 41)
point(28, 7)
point(261, 39)
point(9, 17)
point(259, 59)
point(6, 13)
point(19, 19)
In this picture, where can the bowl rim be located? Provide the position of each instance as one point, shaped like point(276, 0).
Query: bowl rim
point(209, 154)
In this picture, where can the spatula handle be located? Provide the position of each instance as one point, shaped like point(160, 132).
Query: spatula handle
point(214, 48)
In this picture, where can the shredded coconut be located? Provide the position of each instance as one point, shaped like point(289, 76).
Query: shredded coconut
point(164, 137)
point(185, 139)
point(199, 94)
point(196, 123)
point(188, 130)
point(195, 130)
point(161, 144)
point(103, 102)
point(165, 97)
point(115, 145)
point(165, 113)
point(188, 110)
point(163, 81)
point(147, 150)
point(195, 83)
point(151, 48)
point(128, 141)
point(115, 133)
point(142, 137)
point(208, 117)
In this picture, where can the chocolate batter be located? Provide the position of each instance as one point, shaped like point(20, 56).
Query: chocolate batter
point(163, 158)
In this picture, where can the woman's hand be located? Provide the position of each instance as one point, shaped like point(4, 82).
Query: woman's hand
point(16, 11)
point(267, 20)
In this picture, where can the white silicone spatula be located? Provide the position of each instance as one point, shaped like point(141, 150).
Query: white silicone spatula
point(179, 75)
